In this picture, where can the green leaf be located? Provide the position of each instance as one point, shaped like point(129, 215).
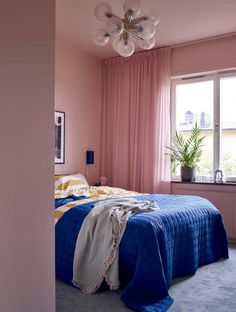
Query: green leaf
point(186, 152)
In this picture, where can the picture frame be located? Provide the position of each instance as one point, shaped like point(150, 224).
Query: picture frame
point(59, 138)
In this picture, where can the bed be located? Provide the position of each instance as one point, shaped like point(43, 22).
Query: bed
point(185, 233)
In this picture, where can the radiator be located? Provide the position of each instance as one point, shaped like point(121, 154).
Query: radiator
point(222, 196)
point(227, 207)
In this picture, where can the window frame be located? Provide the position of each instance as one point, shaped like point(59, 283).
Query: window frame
point(215, 77)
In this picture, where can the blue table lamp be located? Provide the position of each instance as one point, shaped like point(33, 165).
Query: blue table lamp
point(89, 157)
point(89, 161)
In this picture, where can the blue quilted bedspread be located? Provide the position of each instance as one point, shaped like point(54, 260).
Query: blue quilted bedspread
point(187, 232)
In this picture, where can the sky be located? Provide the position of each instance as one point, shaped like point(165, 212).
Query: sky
point(198, 97)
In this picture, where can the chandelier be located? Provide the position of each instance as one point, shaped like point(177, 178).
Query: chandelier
point(122, 31)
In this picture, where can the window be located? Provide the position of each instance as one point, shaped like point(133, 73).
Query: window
point(228, 125)
point(211, 102)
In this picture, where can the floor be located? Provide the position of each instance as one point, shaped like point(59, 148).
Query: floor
point(211, 289)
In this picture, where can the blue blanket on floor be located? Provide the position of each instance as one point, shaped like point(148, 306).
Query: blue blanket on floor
point(157, 246)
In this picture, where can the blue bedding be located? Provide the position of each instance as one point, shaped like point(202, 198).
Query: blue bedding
point(62, 201)
point(186, 233)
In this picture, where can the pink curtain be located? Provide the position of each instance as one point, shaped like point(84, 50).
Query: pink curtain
point(136, 121)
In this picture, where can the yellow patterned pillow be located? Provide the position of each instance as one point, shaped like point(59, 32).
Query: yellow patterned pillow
point(70, 183)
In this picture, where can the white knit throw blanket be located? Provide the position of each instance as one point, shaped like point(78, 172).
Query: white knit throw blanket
point(97, 246)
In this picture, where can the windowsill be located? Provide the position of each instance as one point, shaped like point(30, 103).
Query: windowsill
point(204, 182)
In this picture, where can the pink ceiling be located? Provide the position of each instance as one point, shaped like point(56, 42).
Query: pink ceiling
point(181, 21)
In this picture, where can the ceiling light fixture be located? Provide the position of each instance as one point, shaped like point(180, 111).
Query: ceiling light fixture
point(122, 31)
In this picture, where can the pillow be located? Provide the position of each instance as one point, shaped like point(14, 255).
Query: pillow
point(82, 177)
point(70, 183)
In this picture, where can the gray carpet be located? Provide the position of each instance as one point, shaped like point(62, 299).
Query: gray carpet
point(211, 289)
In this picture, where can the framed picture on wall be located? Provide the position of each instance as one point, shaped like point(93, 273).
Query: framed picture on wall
point(59, 138)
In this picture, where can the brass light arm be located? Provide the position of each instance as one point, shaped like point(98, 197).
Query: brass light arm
point(139, 19)
point(125, 36)
point(127, 20)
point(135, 35)
point(110, 15)
point(135, 29)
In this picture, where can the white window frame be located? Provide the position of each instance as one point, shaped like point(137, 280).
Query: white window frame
point(215, 77)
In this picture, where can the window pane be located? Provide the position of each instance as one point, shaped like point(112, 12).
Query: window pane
point(228, 125)
point(194, 103)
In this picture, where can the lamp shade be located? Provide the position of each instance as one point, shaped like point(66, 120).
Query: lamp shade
point(89, 157)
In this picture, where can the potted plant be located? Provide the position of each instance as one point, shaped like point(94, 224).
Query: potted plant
point(186, 152)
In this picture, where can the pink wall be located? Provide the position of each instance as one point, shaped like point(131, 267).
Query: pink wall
point(215, 54)
point(26, 157)
point(78, 94)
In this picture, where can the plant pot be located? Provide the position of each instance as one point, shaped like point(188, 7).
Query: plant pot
point(188, 174)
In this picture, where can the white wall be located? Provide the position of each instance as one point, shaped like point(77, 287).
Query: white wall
point(26, 155)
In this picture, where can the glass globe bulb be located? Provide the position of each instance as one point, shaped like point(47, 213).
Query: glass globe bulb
point(114, 26)
point(147, 29)
point(147, 44)
point(133, 7)
point(152, 16)
point(115, 43)
point(100, 37)
point(125, 48)
point(103, 11)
